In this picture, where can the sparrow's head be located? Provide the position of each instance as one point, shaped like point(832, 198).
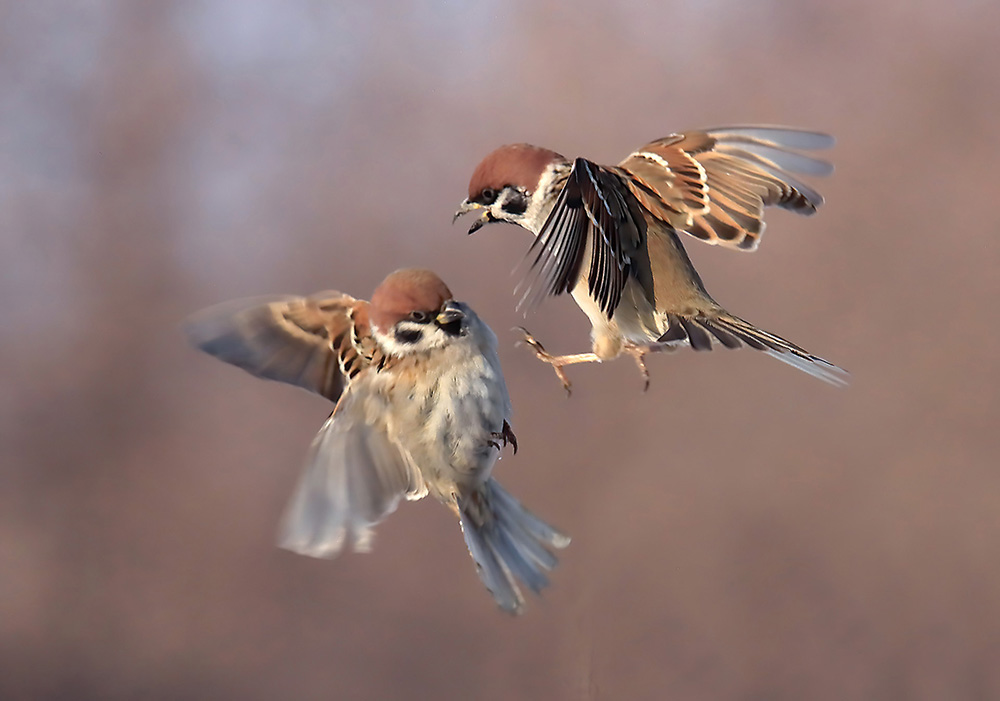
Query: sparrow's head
point(412, 311)
point(510, 185)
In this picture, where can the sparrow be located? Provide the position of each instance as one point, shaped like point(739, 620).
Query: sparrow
point(421, 409)
point(608, 234)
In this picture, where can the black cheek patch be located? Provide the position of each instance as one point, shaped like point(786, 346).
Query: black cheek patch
point(516, 205)
point(408, 335)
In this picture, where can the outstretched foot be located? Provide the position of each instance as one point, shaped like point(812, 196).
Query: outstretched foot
point(556, 361)
point(639, 353)
point(505, 437)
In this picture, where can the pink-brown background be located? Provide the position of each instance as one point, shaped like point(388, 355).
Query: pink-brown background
point(741, 531)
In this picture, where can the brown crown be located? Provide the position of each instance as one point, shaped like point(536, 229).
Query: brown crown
point(405, 291)
point(520, 165)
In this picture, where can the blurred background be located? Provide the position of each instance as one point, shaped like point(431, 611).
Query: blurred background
point(741, 531)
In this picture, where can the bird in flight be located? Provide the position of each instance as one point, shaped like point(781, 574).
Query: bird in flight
point(608, 234)
point(421, 409)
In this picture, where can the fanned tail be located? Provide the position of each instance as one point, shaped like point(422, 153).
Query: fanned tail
point(508, 543)
point(704, 330)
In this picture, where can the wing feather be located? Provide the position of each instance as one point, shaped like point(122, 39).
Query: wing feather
point(715, 183)
point(302, 341)
point(593, 208)
point(354, 477)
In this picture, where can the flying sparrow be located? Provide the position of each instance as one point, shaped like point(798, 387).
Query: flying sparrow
point(608, 234)
point(421, 408)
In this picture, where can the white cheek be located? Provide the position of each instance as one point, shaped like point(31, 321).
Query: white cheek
point(432, 338)
point(390, 345)
point(538, 208)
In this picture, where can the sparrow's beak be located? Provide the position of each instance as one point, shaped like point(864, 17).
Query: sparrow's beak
point(467, 207)
point(450, 314)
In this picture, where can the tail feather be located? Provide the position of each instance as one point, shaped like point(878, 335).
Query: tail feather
point(732, 332)
point(519, 562)
point(508, 543)
point(533, 525)
point(817, 367)
point(491, 570)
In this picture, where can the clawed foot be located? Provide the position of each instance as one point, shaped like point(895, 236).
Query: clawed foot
point(637, 351)
point(638, 354)
point(556, 361)
point(505, 437)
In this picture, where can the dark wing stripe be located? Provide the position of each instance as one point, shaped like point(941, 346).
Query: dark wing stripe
point(778, 341)
point(556, 264)
point(646, 189)
point(602, 282)
point(783, 347)
point(675, 331)
point(731, 330)
point(723, 225)
point(714, 184)
point(596, 277)
point(734, 195)
point(699, 230)
point(745, 223)
point(591, 208)
point(697, 336)
point(557, 250)
point(770, 340)
point(788, 184)
point(764, 339)
point(725, 338)
point(747, 338)
point(611, 219)
point(696, 332)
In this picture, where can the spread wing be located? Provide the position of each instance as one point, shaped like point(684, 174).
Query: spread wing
point(715, 184)
point(592, 212)
point(311, 342)
point(354, 477)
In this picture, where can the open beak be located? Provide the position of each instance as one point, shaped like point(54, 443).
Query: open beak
point(467, 207)
point(449, 319)
point(450, 314)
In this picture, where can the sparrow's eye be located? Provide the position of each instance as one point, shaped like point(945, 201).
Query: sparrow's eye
point(420, 317)
point(488, 195)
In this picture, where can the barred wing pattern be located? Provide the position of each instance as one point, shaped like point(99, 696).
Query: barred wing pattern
point(714, 184)
point(354, 475)
point(318, 343)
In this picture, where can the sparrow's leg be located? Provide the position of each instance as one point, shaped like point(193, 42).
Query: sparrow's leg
point(639, 352)
point(557, 361)
point(506, 437)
